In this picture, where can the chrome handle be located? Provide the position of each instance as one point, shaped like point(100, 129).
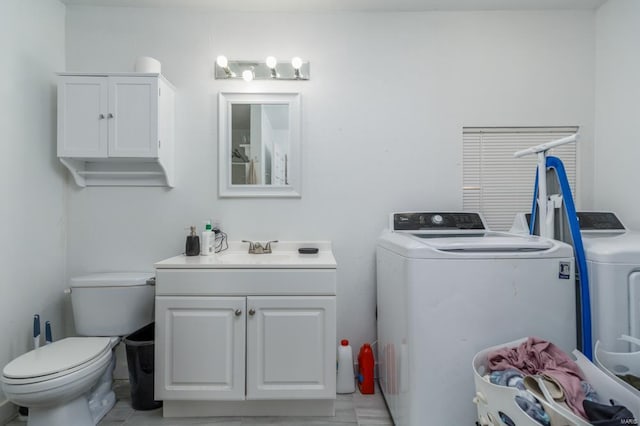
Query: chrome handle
point(252, 312)
point(238, 312)
point(110, 115)
point(101, 116)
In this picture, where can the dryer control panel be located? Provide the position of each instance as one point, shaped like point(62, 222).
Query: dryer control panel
point(599, 221)
point(437, 221)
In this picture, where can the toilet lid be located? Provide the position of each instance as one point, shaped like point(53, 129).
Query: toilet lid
point(59, 356)
point(112, 279)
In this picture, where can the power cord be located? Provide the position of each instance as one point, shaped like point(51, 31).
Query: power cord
point(220, 242)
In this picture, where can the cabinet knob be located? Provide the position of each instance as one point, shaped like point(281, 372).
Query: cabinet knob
point(101, 116)
point(110, 115)
point(238, 312)
point(252, 312)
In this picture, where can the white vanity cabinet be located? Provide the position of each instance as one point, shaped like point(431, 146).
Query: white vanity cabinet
point(290, 342)
point(246, 339)
point(116, 129)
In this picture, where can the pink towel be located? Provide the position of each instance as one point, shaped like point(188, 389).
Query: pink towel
point(537, 356)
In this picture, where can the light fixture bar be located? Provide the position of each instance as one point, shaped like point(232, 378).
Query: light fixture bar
point(282, 70)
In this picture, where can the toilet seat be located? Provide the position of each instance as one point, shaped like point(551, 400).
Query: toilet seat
point(56, 360)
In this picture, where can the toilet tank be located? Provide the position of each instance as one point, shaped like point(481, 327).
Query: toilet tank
point(112, 304)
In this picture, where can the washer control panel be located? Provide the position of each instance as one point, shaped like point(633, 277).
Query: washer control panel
point(437, 221)
point(599, 221)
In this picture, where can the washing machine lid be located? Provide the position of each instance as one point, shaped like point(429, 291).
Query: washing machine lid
point(621, 249)
point(487, 242)
point(65, 354)
point(111, 279)
point(488, 245)
point(451, 235)
point(607, 240)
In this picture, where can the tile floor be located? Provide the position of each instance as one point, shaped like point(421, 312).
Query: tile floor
point(351, 410)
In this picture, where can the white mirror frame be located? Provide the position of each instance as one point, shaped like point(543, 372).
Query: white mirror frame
point(226, 189)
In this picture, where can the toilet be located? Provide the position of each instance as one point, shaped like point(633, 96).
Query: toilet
point(69, 382)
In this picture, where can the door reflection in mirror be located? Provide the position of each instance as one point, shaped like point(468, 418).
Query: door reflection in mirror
point(260, 145)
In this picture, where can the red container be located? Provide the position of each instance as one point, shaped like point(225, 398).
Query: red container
point(365, 369)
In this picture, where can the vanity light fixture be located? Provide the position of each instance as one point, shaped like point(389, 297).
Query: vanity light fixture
point(223, 63)
point(247, 75)
point(296, 63)
point(272, 62)
point(270, 69)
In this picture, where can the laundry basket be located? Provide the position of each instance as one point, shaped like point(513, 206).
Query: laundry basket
point(494, 402)
point(621, 363)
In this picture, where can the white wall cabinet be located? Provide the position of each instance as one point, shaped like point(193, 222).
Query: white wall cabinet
point(116, 129)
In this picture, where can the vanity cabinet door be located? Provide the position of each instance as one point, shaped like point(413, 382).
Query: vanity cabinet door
point(291, 347)
point(200, 348)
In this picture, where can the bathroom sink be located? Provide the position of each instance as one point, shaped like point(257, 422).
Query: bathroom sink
point(240, 258)
point(285, 255)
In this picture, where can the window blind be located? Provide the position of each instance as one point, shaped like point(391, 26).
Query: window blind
point(499, 185)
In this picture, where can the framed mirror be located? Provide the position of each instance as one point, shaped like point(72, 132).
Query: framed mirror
point(259, 144)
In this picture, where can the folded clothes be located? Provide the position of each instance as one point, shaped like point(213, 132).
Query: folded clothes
point(608, 415)
point(539, 357)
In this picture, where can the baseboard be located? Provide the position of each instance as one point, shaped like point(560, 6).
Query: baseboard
point(300, 407)
point(7, 411)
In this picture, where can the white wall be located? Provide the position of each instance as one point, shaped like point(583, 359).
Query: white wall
point(32, 184)
point(382, 123)
point(617, 106)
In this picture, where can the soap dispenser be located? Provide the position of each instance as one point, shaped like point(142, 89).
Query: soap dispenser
point(193, 243)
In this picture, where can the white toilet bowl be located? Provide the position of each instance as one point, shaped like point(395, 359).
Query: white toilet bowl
point(54, 381)
point(68, 383)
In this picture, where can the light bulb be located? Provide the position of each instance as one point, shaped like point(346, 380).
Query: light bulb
point(222, 61)
point(296, 62)
point(271, 62)
point(247, 75)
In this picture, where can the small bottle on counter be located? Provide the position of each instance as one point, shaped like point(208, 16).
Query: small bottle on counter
point(192, 247)
point(208, 241)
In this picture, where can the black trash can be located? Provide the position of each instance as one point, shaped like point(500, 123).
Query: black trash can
point(140, 346)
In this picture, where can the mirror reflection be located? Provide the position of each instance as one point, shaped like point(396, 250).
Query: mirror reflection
point(260, 145)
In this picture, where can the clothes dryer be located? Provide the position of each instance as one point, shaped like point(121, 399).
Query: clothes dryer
point(613, 260)
point(448, 288)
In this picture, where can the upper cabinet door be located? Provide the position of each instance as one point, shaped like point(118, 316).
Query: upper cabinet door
point(82, 117)
point(291, 347)
point(133, 117)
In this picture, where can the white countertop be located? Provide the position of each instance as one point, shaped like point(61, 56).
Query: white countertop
point(284, 256)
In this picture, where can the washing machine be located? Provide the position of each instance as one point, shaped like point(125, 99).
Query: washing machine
point(447, 287)
point(613, 261)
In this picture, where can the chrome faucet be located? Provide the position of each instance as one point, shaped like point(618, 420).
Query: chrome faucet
point(258, 248)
